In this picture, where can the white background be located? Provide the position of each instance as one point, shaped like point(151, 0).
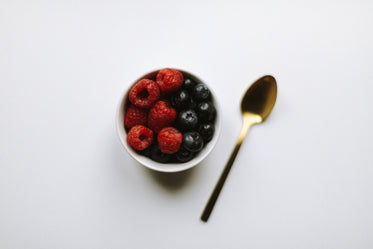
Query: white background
point(303, 179)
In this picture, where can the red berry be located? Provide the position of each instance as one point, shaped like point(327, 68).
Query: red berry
point(135, 116)
point(169, 80)
point(169, 140)
point(161, 115)
point(144, 93)
point(140, 137)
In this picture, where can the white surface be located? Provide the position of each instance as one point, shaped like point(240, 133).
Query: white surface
point(303, 179)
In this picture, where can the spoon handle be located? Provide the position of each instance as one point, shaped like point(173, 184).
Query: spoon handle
point(248, 121)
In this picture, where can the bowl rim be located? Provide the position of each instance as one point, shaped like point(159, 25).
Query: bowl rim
point(149, 163)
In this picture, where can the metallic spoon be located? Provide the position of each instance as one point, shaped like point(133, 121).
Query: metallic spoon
point(256, 105)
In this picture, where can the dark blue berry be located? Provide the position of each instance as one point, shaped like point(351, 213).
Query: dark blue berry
point(192, 141)
point(180, 99)
point(201, 92)
point(158, 156)
point(188, 84)
point(183, 155)
point(192, 103)
point(187, 120)
point(206, 111)
point(147, 152)
point(206, 131)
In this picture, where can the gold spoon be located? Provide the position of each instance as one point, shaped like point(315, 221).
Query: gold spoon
point(256, 105)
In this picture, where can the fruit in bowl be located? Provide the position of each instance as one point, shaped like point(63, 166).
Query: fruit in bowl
point(168, 120)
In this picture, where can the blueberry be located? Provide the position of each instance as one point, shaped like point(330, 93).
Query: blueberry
point(192, 141)
point(180, 99)
point(147, 152)
point(188, 84)
point(201, 92)
point(206, 111)
point(192, 103)
point(158, 156)
point(183, 155)
point(207, 131)
point(187, 120)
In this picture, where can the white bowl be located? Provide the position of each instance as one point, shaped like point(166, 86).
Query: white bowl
point(166, 167)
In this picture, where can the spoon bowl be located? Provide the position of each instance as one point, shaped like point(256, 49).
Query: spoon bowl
point(260, 98)
point(256, 105)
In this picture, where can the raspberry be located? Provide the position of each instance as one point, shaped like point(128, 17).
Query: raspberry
point(140, 137)
point(135, 116)
point(169, 140)
point(144, 93)
point(161, 115)
point(169, 80)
